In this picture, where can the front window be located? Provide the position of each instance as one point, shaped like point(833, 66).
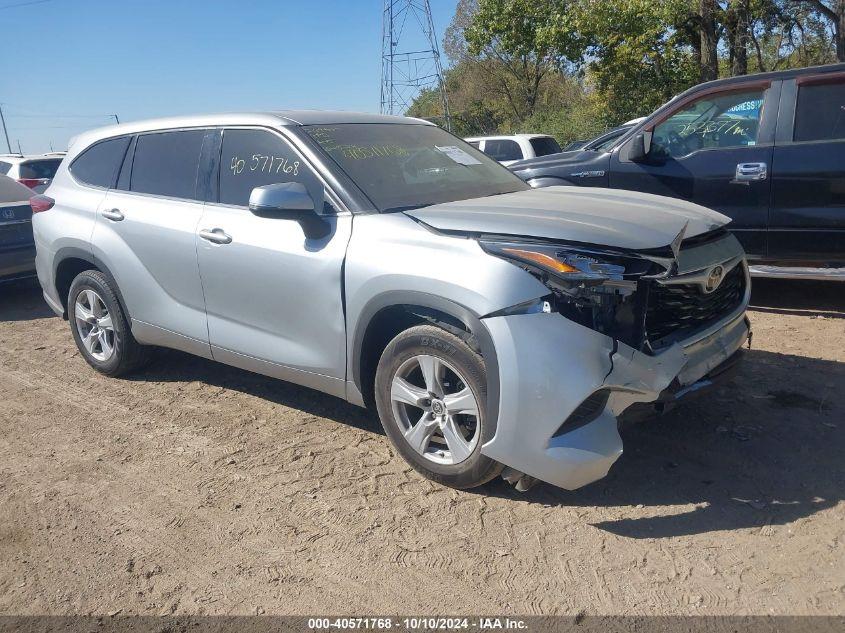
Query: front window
point(403, 166)
point(715, 122)
point(254, 158)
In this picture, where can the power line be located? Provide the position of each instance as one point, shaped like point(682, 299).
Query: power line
point(12, 115)
point(23, 4)
point(50, 127)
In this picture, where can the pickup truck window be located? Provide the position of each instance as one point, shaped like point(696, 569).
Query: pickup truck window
point(544, 145)
point(714, 121)
point(820, 112)
point(503, 149)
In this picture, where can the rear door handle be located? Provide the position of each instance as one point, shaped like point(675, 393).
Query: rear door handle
point(216, 236)
point(751, 172)
point(112, 214)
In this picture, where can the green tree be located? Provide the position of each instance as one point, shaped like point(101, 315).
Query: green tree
point(636, 54)
point(834, 12)
point(576, 67)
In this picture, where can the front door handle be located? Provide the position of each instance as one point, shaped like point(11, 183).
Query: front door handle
point(216, 236)
point(112, 214)
point(751, 172)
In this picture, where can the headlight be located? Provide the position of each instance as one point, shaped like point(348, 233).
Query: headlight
point(594, 287)
point(568, 266)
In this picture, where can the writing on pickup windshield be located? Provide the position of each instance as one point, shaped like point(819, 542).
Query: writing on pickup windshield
point(723, 128)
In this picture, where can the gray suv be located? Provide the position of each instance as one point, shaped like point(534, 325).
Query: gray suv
point(496, 329)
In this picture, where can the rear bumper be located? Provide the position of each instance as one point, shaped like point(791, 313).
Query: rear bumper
point(549, 366)
point(17, 263)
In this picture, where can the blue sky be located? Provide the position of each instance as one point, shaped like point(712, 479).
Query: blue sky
point(148, 58)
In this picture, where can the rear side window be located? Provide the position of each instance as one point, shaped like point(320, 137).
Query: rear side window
point(98, 164)
point(5, 167)
point(40, 168)
point(165, 163)
point(820, 112)
point(503, 149)
point(254, 158)
point(544, 145)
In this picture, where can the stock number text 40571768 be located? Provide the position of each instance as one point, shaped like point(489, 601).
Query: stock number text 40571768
point(264, 163)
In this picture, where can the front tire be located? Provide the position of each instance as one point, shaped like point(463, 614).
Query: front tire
point(431, 395)
point(100, 327)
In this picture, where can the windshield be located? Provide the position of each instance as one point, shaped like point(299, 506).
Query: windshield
point(609, 140)
point(401, 166)
point(40, 168)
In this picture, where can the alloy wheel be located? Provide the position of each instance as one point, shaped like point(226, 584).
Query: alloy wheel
point(96, 330)
point(435, 409)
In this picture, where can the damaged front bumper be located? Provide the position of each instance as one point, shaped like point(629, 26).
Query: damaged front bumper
point(563, 387)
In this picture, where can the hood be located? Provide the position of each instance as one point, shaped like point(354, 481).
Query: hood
point(572, 157)
point(610, 217)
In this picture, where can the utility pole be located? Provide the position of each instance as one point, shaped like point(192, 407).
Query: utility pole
point(5, 131)
point(116, 120)
point(20, 151)
point(410, 57)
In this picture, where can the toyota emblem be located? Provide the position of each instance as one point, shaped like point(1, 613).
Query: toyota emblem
point(714, 279)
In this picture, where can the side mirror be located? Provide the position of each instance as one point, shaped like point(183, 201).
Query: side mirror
point(289, 201)
point(640, 147)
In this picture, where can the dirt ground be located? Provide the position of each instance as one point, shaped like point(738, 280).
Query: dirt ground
point(194, 488)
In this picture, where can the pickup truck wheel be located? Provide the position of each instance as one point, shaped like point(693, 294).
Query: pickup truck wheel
point(431, 393)
point(100, 328)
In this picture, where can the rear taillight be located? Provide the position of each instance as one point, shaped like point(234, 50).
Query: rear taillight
point(32, 183)
point(41, 203)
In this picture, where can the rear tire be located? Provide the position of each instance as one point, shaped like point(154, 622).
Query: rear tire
point(431, 395)
point(100, 328)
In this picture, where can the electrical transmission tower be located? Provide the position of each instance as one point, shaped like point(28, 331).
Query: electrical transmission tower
point(410, 57)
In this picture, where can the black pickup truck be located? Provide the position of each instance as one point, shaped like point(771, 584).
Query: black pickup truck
point(767, 150)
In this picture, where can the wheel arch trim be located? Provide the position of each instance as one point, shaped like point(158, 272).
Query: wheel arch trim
point(414, 299)
point(74, 252)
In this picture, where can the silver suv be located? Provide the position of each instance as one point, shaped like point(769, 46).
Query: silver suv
point(497, 329)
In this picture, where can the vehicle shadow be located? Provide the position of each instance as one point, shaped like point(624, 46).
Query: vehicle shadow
point(174, 366)
point(22, 301)
point(763, 449)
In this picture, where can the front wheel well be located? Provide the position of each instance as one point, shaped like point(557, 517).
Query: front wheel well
point(66, 272)
point(386, 324)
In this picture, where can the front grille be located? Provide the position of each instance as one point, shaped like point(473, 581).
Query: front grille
point(675, 312)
